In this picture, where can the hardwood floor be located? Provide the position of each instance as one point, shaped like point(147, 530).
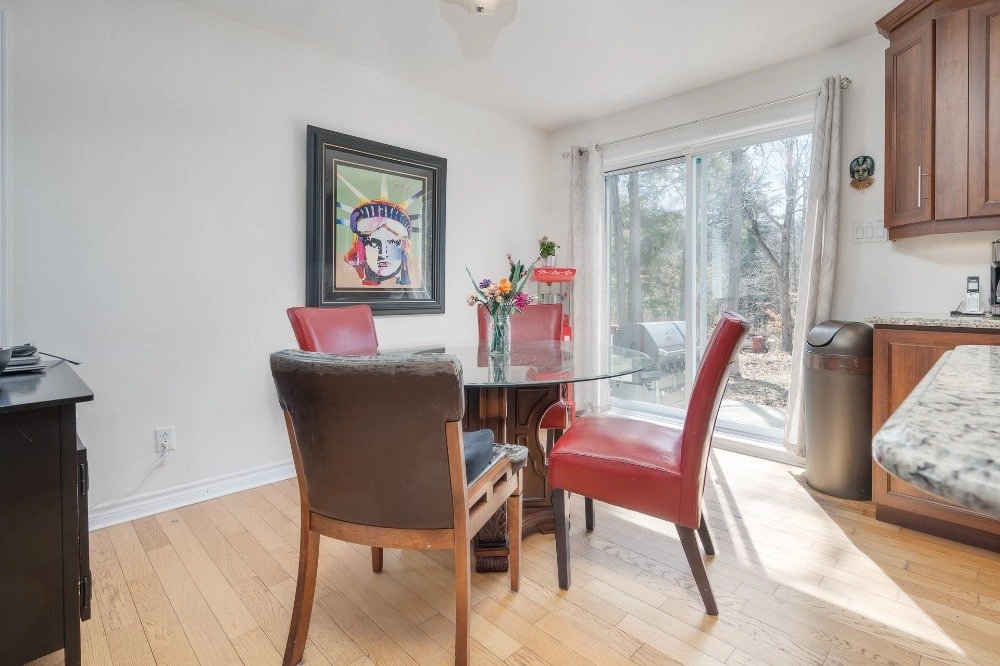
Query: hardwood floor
point(800, 579)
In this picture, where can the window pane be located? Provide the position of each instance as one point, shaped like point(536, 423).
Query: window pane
point(646, 215)
point(751, 213)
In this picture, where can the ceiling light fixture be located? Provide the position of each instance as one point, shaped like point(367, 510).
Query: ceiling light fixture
point(483, 7)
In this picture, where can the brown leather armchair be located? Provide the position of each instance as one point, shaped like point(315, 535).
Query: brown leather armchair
point(379, 455)
point(349, 330)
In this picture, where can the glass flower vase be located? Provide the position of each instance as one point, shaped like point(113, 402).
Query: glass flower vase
point(499, 369)
point(498, 334)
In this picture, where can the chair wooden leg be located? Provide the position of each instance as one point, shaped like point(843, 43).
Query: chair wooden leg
point(376, 559)
point(706, 537)
point(463, 593)
point(550, 439)
point(562, 536)
point(588, 510)
point(305, 590)
point(514, 540)
point(690, 543)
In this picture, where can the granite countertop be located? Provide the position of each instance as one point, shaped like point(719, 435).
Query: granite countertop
point(933, 319)
point(945, 437)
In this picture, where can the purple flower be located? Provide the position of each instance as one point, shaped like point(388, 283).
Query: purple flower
point(485, 282)
point(521, 299)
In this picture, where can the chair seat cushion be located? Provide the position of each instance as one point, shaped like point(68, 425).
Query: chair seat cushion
point(626, 462)
point(518, 454)
point(478, 452)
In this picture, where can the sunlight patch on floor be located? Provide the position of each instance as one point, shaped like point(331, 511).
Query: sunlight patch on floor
point(927, 631)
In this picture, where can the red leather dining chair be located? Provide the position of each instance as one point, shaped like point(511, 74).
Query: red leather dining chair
point(343, 330)
point(539, 322)
point(647, 467)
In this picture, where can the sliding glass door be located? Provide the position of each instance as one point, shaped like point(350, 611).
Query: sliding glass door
point(696, 236)
point(647, 221)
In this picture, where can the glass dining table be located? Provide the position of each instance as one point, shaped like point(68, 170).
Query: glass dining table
point(510, 397)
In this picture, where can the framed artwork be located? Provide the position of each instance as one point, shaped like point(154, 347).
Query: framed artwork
point(375, 227)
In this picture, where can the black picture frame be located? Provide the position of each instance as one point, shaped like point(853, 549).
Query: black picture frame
point(375, 225)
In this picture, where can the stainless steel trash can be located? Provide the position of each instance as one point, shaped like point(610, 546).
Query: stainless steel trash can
point(837, 408)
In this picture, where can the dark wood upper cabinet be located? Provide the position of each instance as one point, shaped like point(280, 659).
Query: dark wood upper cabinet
point(909, 128)
point(942, 140)
point(984, 110)
point(951, 131)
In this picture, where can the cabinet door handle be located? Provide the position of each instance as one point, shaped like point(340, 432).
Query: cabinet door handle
point(920, 174)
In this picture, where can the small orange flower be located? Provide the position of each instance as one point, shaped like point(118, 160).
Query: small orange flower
point(504, 285)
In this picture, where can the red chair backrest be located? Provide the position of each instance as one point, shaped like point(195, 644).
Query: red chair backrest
point(533, 322)
point(703, 408)
point(343, 330)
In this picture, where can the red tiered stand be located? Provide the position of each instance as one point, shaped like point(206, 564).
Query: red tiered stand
point(555, 285)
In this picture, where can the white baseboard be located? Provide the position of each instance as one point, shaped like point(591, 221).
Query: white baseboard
point(157, 501)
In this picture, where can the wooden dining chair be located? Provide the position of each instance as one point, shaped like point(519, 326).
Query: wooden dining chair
point(339, 330)
point(543, 321)
point(648, 467)
point(381, 460)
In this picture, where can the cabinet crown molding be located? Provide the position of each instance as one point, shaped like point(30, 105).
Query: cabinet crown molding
point(900, 15)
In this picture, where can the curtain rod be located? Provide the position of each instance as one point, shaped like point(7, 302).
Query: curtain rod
point(845, 84)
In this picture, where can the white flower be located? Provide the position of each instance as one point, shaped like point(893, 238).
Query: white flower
point(471, 299)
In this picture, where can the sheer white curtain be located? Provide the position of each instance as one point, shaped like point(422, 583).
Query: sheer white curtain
point(819, 247)
point(588, 236)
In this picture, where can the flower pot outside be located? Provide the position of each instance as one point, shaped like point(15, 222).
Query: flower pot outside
point(549, 262)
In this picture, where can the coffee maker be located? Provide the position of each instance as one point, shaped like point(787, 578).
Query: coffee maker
point(995, 280)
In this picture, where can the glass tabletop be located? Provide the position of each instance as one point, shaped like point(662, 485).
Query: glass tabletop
point(544, 362)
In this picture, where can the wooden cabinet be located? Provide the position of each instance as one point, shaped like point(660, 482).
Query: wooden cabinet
point(942, 159)
point(909, 128)
point(44, 560)
point(984, 110)
point(901, 357)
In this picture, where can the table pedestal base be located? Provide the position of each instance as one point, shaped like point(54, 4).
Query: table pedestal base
point(513, 414)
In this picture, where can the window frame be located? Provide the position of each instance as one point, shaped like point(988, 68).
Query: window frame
point(6, 267)
point(690, 142)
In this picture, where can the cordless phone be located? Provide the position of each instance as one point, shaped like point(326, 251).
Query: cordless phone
point(972, 301)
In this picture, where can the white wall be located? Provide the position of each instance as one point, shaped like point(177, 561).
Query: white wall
point(916, 275)
point(158, 216)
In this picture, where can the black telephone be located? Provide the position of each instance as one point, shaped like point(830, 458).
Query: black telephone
point(28, 349)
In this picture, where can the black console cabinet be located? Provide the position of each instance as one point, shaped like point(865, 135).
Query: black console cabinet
point(44, 559)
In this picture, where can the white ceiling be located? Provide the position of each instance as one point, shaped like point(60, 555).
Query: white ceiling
point(551, 63)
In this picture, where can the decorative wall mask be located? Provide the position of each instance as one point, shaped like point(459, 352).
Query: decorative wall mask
point(862, 169)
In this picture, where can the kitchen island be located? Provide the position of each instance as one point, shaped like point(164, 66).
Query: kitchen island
point(906, 348)
point(945, 436)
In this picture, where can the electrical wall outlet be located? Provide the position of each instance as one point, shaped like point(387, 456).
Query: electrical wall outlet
point(165, 439)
